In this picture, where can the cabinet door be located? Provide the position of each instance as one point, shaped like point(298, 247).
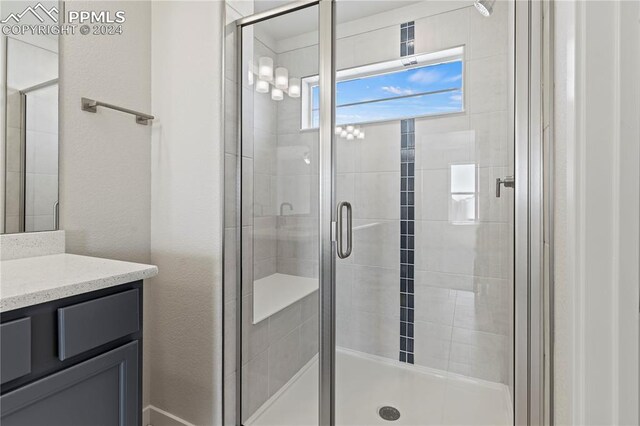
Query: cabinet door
point(100, 391)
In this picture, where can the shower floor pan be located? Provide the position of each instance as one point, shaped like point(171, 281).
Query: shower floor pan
point(367, 383)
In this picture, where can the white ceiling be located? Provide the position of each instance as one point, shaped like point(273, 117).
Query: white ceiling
point(306, 20)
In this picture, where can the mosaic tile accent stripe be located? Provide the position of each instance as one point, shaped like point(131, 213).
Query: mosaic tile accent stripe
point(407, 236)
point(407, 37)
point(407, 214)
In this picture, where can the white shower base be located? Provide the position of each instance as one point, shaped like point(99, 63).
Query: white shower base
point(365, 383)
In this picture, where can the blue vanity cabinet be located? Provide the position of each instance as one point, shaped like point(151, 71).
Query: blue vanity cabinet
point(74, 361)
point(88, 393)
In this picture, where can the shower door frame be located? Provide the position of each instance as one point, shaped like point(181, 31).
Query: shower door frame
point(528, 233)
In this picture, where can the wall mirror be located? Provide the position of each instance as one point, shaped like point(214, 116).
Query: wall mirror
point(29, 165)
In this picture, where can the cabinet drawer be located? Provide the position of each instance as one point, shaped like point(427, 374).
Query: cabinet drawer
point(93, 323)
point(15, 349)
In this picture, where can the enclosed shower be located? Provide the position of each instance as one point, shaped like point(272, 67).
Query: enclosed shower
point(370, 224)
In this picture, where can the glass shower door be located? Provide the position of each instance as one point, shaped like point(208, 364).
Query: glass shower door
point(279, 220)
point(410, 297)
point(424, 302)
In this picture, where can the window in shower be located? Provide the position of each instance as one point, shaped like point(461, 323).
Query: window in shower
point(414, 86)
point(463, 200)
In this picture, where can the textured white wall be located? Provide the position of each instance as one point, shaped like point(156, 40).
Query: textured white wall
point(564, 108)
point(105, 158)
point(184, 335)
point(596, 241)
point(106, 183)
point(105, 179)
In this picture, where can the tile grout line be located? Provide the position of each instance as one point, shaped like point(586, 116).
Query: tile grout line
point(453, 322)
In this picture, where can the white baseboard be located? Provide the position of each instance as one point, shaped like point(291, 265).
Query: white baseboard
point(153, 416)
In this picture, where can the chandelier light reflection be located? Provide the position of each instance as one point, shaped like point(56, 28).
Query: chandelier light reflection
point(275, 80)
point(265, 68)
point(282, 78)
point(277, 94)
point(262, 86)
point(349, 132)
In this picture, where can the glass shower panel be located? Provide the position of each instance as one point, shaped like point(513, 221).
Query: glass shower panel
point(424, 321)
point(279, 222)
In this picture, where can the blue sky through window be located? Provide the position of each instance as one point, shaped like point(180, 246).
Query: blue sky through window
point(399, 94)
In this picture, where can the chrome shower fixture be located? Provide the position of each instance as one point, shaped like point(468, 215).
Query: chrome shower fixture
point(485, 7)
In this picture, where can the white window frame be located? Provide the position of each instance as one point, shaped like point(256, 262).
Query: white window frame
point(380, 68)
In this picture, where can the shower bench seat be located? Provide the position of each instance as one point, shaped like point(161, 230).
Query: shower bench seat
point(277, 291)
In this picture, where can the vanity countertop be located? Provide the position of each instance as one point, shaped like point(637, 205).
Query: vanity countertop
point(33, 280)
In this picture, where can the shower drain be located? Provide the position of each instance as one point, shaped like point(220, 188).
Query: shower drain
point(389, 413)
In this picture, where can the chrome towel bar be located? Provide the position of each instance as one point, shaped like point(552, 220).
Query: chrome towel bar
point(91, 105)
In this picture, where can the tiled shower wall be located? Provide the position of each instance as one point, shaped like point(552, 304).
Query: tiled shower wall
point(263, 151)
point(463, 288)
point(13, 163)
point(42, 159)
point(283, 241)
point(297, 181)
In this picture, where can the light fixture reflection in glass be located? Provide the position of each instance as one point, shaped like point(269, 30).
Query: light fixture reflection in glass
point(282, 78)
point(265, 68)
point(276, 94)
point(349, 132)
point(294, 87)
point(262, 86)
point(250, 73)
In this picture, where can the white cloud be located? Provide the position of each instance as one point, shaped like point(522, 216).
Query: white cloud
point(453, 79)
point(425, 77)
point(397, 90)
point(455, 98)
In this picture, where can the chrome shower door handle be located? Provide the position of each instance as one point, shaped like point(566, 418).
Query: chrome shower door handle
point(342, 254)
point(508, 182)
